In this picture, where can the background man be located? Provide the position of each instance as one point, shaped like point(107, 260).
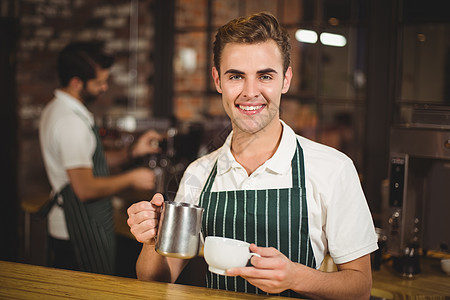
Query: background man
point(80, 224)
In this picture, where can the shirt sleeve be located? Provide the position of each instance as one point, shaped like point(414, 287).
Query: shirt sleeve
point(349, 225)
point(76, 143)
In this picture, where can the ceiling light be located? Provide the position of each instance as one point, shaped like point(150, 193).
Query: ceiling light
point(306, 36)
point(331, 39)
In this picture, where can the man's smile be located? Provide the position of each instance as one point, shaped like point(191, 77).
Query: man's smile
point(250, 109)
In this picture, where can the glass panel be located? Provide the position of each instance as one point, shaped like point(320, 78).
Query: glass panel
point(426, 64)
point(302, 118)
point(304, 67)
point(340, 75)
point(341, 127)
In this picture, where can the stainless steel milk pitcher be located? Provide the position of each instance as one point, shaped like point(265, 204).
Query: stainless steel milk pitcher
point(179, 230)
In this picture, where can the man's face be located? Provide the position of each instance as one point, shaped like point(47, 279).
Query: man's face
point(251, 83)
point(94, 88)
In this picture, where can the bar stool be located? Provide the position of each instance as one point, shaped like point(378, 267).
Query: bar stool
point(30, 205)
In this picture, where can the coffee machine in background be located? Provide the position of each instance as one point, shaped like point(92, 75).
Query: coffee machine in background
point(417, 212)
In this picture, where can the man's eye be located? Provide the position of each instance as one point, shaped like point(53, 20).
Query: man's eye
point(265, 77)
point(235, 77)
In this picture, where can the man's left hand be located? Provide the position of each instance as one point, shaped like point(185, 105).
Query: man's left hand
point(273, 272)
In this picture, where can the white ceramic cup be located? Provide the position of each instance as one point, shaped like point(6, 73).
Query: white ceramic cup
point(445, 265)
point(222, 254)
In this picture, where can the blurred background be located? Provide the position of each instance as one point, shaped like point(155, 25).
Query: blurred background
point(360, 69)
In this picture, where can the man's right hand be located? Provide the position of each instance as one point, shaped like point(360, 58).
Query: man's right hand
point(143, 219)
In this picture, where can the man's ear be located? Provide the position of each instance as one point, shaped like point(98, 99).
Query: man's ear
point(216, 77)
point(75, 84)
point(287, 80)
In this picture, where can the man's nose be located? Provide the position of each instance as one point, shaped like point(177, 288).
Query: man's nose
point(251, 88)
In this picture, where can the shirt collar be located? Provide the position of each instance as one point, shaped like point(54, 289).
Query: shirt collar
point(279, 163)
point(78, 107)
point(226, 160)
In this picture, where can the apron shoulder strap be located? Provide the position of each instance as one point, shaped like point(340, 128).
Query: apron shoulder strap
point(298, 167)
point(209, 182)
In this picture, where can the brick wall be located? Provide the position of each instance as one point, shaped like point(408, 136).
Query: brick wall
point(48, 25)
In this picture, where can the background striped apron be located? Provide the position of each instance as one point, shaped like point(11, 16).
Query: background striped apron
point(269, 218)
point(91, 224)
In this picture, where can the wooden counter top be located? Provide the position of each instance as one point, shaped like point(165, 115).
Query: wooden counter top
point(431, 283)
point(22, 281)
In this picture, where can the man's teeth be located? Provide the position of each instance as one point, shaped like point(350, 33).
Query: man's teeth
point(249, 108)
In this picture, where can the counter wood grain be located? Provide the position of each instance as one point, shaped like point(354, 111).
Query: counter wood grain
point(22, 281)
point(432, 283)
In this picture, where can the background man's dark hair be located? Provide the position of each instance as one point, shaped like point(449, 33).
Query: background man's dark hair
point(82, 59)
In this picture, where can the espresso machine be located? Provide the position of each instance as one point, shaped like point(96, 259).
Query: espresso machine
point(417, 212)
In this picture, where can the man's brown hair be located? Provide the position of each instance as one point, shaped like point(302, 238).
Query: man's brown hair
point(256, 28)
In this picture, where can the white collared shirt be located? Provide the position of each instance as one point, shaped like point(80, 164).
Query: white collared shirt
point(67, 142)
point(338, 215)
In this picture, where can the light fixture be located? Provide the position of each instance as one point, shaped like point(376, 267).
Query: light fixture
point(328, 39)
point(306, 36)
point(331, 39)
point(333, 21)
point(421, 37)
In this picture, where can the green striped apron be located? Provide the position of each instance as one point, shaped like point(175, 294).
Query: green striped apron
point(269, 218)
point(91, 224)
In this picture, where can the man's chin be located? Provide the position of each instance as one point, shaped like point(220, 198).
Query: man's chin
point(89, 100)
point(252, 125)
point(248, 127)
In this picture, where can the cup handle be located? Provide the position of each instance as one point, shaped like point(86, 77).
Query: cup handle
point(250, 258)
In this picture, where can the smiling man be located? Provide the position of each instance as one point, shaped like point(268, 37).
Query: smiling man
point(295, 200)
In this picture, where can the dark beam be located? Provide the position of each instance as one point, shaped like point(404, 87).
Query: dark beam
point(163, 78)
